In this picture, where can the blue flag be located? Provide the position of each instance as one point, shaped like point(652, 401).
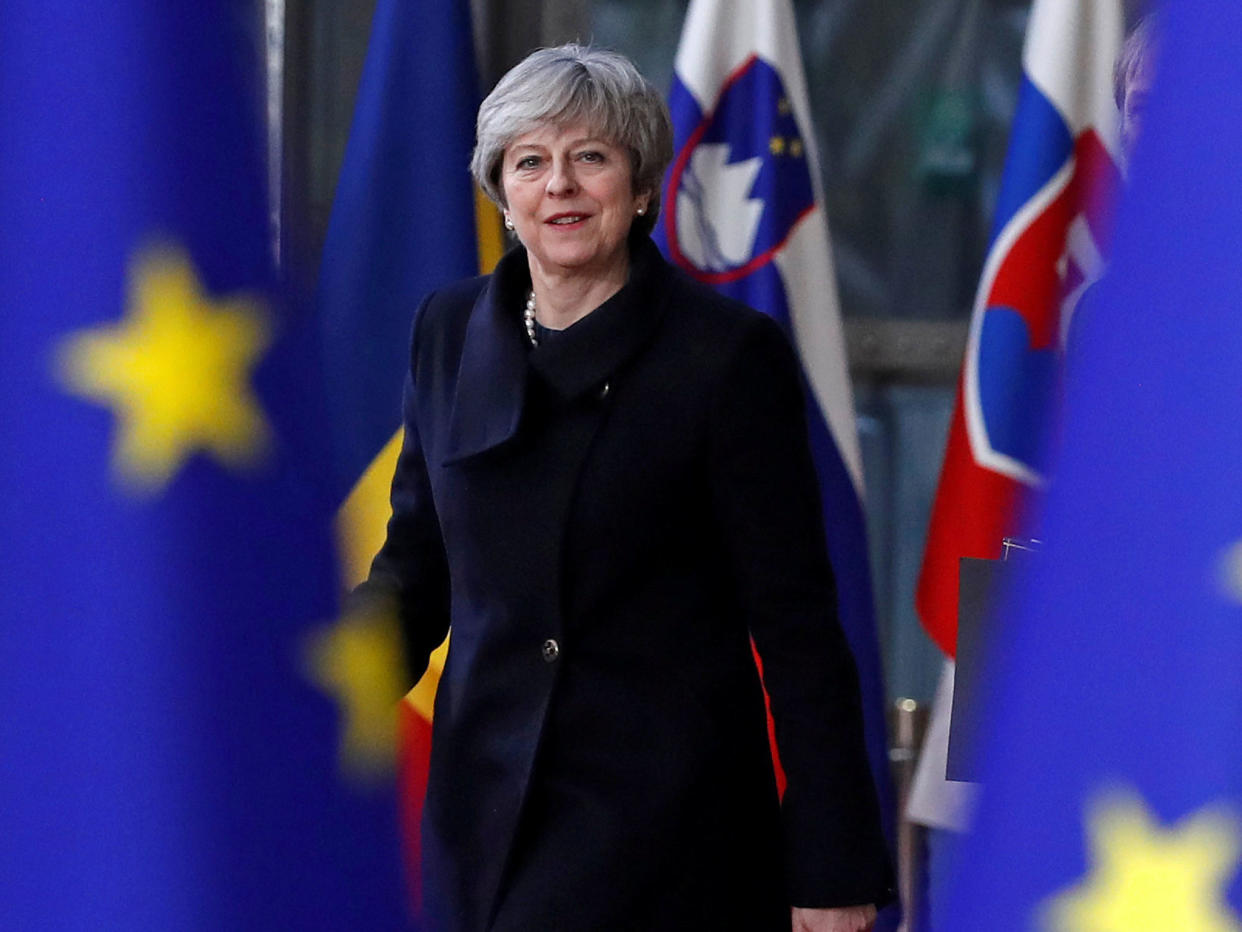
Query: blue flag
point(1109, 746)
point(403, 218)
point(742, 212)
point(403, 223)
point(189, 740)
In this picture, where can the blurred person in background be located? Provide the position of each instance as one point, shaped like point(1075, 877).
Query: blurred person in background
point(1133, 77)
point(1132, 80)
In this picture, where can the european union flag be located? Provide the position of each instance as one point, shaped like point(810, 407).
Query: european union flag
point(1111, 757)
point(189, 740)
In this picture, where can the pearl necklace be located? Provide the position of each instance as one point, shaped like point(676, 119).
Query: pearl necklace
point(528, 316)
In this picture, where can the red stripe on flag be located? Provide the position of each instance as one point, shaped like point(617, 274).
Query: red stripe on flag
point(974, 509)
point(413, 762)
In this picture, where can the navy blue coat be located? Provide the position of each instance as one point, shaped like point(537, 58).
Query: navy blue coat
point(605, 521)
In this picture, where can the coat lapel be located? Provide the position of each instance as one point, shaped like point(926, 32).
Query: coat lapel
point(491, 380)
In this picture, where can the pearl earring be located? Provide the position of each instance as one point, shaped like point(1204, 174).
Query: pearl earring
point(641, 211)
point(508, 222)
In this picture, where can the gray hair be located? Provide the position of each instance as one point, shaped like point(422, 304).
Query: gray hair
point(577, 84)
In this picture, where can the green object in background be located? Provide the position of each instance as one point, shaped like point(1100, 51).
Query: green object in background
point(948, 158)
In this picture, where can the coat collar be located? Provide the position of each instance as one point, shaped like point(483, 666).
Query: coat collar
point(496, 358)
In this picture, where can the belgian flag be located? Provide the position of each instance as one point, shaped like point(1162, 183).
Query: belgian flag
point(406, 219)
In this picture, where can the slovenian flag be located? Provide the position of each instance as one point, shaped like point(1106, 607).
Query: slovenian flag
point(1049, 237)
point(743, 213)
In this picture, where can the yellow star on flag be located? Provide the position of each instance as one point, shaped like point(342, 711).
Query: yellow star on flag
point(358, 662)
point(777, 145)
point(1148, 878)
point(175, 371)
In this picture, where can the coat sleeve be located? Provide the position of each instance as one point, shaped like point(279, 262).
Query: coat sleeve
point(410, 572)
point(766, 494)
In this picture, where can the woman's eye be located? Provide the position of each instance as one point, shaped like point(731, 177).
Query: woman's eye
point(527, 161)
point(592, 156)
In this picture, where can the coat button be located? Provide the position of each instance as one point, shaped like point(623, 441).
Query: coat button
point(604, 390)
point(551, 650)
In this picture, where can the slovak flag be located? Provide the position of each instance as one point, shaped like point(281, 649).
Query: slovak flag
point(742, 212)
point(1049, 239)
point(1112, 766)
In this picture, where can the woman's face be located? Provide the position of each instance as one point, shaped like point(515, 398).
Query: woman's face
point(571, 199)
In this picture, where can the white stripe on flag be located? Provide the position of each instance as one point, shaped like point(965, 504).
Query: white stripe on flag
point(1069, 53)
point(810, 283)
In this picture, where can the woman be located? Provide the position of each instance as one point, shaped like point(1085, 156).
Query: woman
point(605, 489)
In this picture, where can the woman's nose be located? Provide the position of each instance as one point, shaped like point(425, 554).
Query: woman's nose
point(561, 180)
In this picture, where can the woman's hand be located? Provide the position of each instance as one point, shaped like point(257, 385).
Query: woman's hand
point(841, 919)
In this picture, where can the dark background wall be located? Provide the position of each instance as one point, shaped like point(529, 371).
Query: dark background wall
point(911, 101)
